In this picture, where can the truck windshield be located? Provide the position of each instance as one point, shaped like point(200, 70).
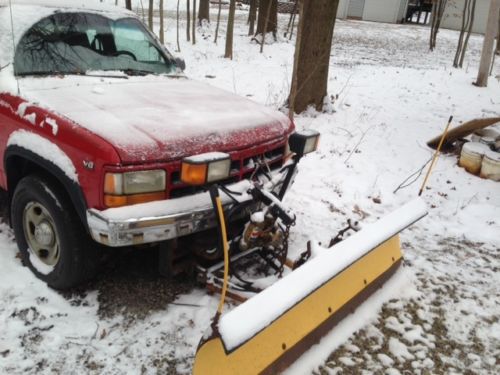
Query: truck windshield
point(75, 43)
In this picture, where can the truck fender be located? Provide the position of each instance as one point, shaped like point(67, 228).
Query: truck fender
point(20, 161)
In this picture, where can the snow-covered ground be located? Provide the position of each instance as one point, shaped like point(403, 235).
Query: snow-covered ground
point(388, 96)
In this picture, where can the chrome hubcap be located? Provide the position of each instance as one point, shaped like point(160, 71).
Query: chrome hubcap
point(39, 230)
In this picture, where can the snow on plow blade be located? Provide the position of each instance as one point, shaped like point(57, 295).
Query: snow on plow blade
point(271, 330)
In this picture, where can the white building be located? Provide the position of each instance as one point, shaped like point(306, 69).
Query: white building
point(394, 11)
point(391, 11)
point(452, 18)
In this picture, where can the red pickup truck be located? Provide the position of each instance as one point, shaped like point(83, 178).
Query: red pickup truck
point(95, 118)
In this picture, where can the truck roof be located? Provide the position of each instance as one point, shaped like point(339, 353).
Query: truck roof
point(25, 13)
point(89, 5)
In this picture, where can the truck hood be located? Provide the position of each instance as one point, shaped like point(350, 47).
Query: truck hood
point(158, 118)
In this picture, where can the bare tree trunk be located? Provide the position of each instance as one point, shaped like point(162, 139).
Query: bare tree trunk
point(489, 39)
point(194, 23)
point(128, 4)
point(292, 18)
point(162, 23)
point(204, 11)
point(469, 31)
point(150, 15)
point(293, 26)
point(143, 13)
point(178, 42)
point(218, 22)
point(312, 54)
point(252, 16)
point(438, 8)
point(267, 24)
point(188, 21)
point(498, 37)
point(465, 23)
point(230, 29)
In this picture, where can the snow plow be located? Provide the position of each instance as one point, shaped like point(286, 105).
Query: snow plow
point(276, 323)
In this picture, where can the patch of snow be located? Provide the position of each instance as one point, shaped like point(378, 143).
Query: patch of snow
point(31, 118)
point(385, 359)
point(392, 371)
point(257, 217)
point(347, 361)
point(21, 110)
point(207, 157)
point(53, 124)
point(37, 264)
point(45, 149)
point(476, 148)
point(399, 350)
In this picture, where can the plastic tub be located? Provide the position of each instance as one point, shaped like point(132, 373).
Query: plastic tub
point(490, 134)
point(490, 167)
point(471, 156)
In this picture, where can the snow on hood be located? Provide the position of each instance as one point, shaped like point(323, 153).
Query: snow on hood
point(158, 117)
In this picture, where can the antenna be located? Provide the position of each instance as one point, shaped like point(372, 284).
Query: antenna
point(13, 45)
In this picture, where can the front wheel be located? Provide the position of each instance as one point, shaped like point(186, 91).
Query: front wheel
point(50, 235)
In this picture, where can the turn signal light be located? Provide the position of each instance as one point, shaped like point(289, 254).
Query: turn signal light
point(112, 201)
point(205, 168)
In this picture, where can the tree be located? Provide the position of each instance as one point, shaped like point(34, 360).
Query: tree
point(194, 22)
point(312, 54)
point(178, 42)
point(128, 4)
point(150, 15)
point(188, 21)
point(230, 29)
point(498, 37)
point(465, 31)
point(267, 21)
point(252, 17)
point(438, 8)
point(162, 21)
point(489, 40)
point(218, 22)
point(204, 11)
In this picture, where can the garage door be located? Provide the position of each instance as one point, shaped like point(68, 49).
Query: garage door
point(355, 9)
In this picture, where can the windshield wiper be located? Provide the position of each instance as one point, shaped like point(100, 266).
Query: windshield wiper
point(137, 72)
point(59, 74)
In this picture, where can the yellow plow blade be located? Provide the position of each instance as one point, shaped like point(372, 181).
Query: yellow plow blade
point(269, 346)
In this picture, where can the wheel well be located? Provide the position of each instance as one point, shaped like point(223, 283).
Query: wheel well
point(18, 166)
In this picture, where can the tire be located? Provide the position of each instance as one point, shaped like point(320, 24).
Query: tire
point(50, 235)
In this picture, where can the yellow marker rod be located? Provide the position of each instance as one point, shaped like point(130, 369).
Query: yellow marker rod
point(225, 247)
point(219, 213)
point(435, 156)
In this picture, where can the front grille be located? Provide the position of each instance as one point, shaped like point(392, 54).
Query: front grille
point(243, 165)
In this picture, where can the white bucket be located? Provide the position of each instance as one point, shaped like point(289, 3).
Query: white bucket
point(471, 156)
point(490, 167)
point(485, 135)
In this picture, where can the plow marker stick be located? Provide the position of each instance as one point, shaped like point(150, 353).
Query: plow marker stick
point(438, 149)
point(268, 332)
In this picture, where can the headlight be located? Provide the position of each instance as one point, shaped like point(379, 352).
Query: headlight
point(304, 142)
point(135, 182)
point(122, 189)
point(205, 168)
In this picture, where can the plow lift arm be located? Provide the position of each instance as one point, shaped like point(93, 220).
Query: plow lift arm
point(269, 331)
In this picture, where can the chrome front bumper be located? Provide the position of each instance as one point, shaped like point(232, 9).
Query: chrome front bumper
point(168, 219)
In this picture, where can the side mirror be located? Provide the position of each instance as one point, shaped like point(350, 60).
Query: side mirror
point(180, 63)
